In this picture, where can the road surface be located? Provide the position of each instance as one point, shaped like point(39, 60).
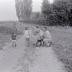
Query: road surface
point(29, 59)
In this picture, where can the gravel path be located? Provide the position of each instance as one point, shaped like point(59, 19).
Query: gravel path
point(29, 59)
point(46, 61)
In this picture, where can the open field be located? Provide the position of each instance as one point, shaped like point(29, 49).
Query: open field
point(29, 59)
point(6, 28)
point(62, 38)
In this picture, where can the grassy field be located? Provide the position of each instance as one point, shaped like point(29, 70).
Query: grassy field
point(6, 28)
point(62, 38)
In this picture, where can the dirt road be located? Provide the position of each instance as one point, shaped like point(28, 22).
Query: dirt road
point(28, 59)
point(46, 61)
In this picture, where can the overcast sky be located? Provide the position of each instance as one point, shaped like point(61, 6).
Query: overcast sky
point(7, 9)
point(37, 5)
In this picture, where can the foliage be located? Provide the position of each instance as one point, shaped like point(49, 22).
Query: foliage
point(23, 9)
point(58, 13)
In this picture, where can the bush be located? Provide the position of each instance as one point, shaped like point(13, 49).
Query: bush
point(59, 13)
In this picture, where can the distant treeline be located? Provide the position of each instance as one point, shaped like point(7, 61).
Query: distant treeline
point(59, 13)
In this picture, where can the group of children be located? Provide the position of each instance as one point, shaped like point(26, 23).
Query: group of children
point(38, 36)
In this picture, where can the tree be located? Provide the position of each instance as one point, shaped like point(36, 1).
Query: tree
point(46, 11)
point(23, 9)
point(57, 13)
point(61, 11)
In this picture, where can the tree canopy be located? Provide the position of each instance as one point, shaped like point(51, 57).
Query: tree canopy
point(59, 13)
point(23, 9)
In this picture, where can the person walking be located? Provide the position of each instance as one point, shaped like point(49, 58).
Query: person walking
point(13, 36)
point(27, 36)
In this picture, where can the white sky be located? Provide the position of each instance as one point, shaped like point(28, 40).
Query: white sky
point(7, 9)
point(37, 5)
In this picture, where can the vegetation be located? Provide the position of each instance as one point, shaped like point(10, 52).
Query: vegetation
point(23, 9)
point(59, 13)
point(62, 38)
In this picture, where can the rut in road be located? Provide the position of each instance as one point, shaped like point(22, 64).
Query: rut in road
point(47, 61)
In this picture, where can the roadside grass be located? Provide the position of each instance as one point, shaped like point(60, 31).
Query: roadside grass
point(6, 30)
point(4, 38)
point(62, 38)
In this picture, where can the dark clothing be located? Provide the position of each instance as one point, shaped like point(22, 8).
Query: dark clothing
point(13, 36)
point(39, 42)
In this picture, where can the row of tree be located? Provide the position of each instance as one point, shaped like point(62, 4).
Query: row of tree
point(59, 13)
point(23, 9)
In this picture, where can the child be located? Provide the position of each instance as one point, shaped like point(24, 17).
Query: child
point(13, 39)
point(27, 36)
point(47, 37)
point(40, 37)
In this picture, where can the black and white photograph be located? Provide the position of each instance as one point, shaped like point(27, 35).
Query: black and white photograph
point(35, 35)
